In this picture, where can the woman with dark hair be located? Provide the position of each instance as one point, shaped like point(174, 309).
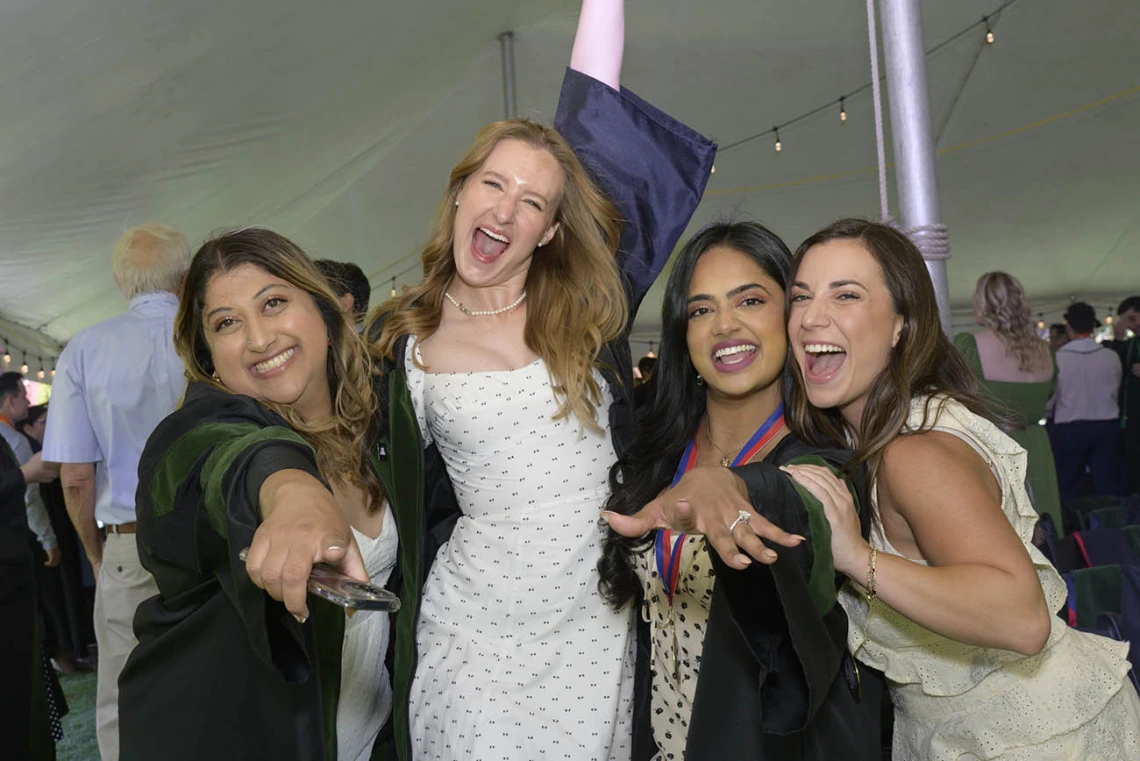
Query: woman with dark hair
point(948, 597)
point(1015, 367)
point(757, 647)
point(276, 418)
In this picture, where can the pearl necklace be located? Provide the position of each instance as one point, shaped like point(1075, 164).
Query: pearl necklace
point(484, 312)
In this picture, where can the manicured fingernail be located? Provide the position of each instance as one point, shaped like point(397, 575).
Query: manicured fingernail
point(744, 559)
point(768, 555)
point(799, 538)
point(336, 548)
point(300, 619)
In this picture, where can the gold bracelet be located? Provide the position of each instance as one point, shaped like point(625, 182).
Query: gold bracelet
point(871, 578)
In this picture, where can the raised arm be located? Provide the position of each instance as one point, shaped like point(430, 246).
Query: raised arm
point(600, 41)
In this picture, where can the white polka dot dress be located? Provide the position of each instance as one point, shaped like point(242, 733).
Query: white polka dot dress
point(519, 657)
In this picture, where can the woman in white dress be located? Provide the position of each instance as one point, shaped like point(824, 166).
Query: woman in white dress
point(948, 598)
point(512, 352)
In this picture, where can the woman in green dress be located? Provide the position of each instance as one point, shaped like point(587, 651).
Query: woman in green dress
point(1016, 369)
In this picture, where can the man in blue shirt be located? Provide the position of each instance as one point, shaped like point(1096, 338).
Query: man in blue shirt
point(114, 382)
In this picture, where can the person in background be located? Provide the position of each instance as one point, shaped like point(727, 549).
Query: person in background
point(646, 385)
point(1015, 367)
point(114, 382)
point(66, 610)
point(1058, 335)
point(1128, 349)
point(350, 285)
point(25, 720)
point(14, 408)
point(1086, 413)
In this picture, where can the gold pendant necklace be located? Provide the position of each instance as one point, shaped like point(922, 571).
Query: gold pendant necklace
point(726, 458)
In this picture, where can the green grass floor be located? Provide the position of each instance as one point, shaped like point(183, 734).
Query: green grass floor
point(78, 742)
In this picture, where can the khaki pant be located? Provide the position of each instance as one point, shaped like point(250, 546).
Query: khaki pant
point(123, 583)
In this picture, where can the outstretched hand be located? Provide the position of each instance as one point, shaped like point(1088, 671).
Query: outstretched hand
point(302, 525)
point(709, 501)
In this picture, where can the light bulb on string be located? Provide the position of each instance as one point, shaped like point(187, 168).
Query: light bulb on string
point(778, 146)
point(7, 358)
point(24, 367)
point(651, 354)
point(40, 374)
point(393, 287)
point(53, 372)
point(1040, 321)
point(843, 110)
point(989, 32)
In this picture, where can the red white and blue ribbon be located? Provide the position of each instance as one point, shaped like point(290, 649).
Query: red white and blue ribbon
point(667, 552)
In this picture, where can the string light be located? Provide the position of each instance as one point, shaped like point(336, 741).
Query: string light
point(778, 146)
point(40, 374)
point(53, 372)
point(7, 358)
point(1040, 321)
point(651, 354)
point(393, 287)
point(24, 367)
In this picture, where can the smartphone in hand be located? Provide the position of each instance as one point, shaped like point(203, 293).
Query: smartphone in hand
point(345, 591)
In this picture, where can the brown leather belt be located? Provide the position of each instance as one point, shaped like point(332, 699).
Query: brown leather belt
point(122, 528)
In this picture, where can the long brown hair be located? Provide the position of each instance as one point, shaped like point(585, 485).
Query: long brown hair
point(1003, 308)
point(923, 363)
point(341, 441)
point(576, 301)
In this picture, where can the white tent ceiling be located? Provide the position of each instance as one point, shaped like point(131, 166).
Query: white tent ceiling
point(336, 123)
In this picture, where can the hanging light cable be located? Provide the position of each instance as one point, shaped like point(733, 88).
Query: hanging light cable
point(393, 287)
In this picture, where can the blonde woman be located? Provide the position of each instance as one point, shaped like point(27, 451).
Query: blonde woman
point(1015, 367)
point(512, 353)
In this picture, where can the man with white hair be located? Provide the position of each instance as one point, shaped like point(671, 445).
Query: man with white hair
point(114, 382)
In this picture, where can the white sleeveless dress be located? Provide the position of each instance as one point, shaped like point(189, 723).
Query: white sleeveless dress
point(519, 657)
point(959, 702)
point(365, 688)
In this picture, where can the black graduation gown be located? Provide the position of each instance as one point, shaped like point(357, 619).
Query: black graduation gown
point(221, 670)
point(776, 682)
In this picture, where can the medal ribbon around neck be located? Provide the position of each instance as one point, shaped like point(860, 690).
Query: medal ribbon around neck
point(668, 553)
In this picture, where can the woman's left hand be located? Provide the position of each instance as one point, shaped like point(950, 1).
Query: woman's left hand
point(849, 549)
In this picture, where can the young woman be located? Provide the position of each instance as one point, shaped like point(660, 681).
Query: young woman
point(718, 633)
point(275, 418)
point(512, 356)
point(1015, 367)
point(948, 598)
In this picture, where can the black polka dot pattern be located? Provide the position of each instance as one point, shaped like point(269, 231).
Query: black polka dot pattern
point(678, 636)
point(519, 656)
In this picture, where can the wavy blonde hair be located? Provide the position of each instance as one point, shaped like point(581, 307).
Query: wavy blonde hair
point(1003, 308)
point(576, 300)
point(341, 441)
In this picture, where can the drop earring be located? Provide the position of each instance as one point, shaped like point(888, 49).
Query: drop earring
point(700, 380)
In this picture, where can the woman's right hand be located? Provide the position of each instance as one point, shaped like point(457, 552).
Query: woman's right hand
point(709, 501)
point(301, 525)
